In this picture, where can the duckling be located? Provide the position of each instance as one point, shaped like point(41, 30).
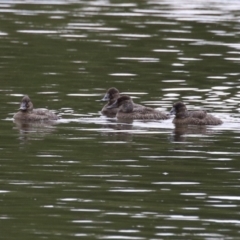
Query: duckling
point(111, 96)
point(128, 110)
point(183, 116)
point(28, 113)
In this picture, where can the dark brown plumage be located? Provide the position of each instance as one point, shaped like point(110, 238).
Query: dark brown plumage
point(111, 96)
point(183, 116)
point(128, 110)
point(28, 113)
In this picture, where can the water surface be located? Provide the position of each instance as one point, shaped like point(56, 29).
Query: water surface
point(87, 176)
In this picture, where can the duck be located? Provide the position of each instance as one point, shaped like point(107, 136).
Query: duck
point(111, 96)
point(28, 113)
point(200, 117)
point(128, 110)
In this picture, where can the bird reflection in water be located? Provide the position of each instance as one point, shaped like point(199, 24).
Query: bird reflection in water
point(182, 132)
point(34, 130)
point(118, 130)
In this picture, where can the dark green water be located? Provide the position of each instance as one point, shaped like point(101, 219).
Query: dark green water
point(90, 177)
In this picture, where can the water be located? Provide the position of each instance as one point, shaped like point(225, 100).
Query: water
point(91, 177)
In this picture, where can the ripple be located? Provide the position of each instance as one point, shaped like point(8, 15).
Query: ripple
point(165, 234)
point(183, 218)
point(141, 59)
point(176, 183)
point(224, 205)
point(73, 35)
point(211, 54)
point(189, 59)
point(129, 231)
point(179, 89)
point(174, 81)
point(123, 14)
point(81, 235)
point(224, 153)
point(122, 74)
point(226, 197)
point(47, 92)
point(184, 39)
point(166, 50)
point(233, 59)
point(48, 156)
point(163, 22)
point(177, 64)
point(132, 190)
point(192, 97)
point(117, 213)
point(3, 33)
point(91, 26)
point(38, 31)
point(234, 221)
point(217, 77)
point(87, 24)
point(128, 35)
point(83, 94)
point(84, 210)
point(121, 237)
point(83, 221)
point(193, 194)
point(191, 208)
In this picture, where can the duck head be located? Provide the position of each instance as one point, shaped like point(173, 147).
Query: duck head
point(112, 93)
point(26, 104)
point(124, 103)
point(178, 109)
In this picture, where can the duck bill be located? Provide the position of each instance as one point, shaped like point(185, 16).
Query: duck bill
point(106, 98)
point(173, 111)
point(114, 105)
point(23, 106)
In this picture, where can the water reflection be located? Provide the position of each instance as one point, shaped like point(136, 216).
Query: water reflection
point(34, 130)
point(182, 132)
point(117, 131)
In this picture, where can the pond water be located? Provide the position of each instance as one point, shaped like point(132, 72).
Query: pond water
point(91, 177)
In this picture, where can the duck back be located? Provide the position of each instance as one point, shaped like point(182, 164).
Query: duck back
point(128, 110)
point(36, 115)
point(198, 118)
point(141, 112)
